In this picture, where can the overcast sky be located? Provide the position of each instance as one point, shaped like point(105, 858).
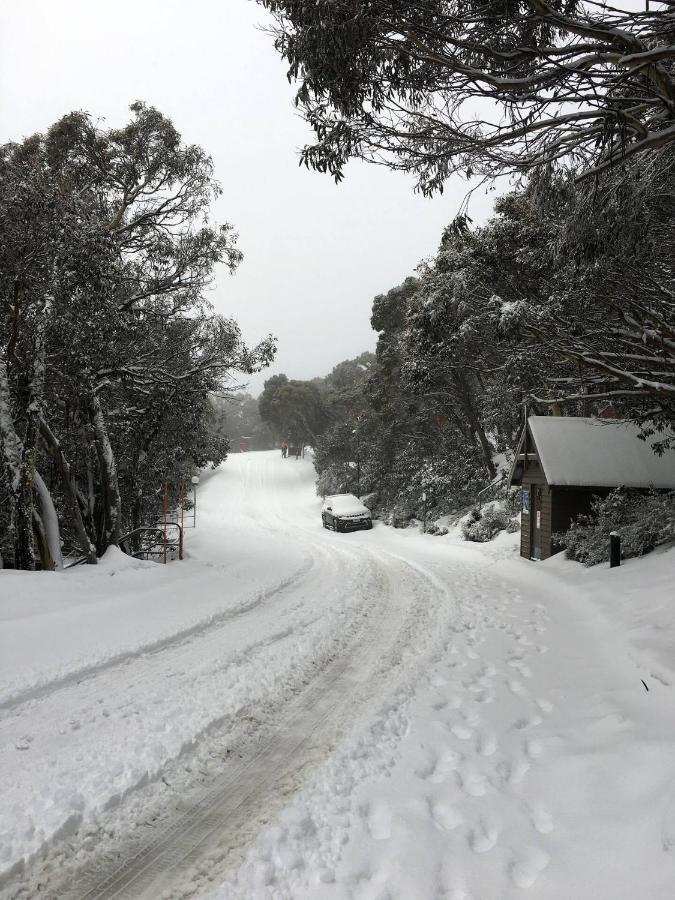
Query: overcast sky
point(315, 253)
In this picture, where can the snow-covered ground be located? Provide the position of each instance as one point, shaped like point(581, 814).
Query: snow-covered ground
point(296, 713)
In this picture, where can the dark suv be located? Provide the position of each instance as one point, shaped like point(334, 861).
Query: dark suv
point(345, 512)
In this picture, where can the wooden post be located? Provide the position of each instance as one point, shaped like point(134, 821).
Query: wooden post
point(165, 505)
point(614, 549)
point(181, 503)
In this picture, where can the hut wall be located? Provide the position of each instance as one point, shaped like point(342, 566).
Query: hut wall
point(533, 479)
point(546, 521)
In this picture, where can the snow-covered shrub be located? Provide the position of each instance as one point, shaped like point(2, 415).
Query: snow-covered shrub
point(483, 525)
point(334, 479)
point(642, 520)
point(512, 506)
point(437, 530)
point(402, 514)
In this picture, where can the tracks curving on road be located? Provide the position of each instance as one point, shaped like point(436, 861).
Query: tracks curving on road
point(223, 720)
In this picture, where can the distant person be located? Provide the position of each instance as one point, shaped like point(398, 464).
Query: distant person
point(284, 450)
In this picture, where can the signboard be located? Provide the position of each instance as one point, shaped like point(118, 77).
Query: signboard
point(538, 519)
point(526, 501)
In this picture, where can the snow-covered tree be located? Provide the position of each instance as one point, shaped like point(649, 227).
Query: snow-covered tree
point(108, 348)
point(293, 409)
point(434, 87)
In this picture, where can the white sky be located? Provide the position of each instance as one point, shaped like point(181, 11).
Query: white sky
point(315, 253)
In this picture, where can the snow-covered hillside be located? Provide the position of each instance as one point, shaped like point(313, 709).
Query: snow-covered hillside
point(296, 713)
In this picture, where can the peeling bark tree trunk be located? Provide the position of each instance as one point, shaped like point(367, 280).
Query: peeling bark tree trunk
point(50, 523)
point(41, 542)
point(69, 491)
point(108, 472)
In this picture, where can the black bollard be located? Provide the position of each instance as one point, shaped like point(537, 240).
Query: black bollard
point(614, 549)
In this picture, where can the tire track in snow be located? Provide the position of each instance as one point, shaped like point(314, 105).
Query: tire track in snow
point(306, 729)
point(41, 691)
point(286, 665)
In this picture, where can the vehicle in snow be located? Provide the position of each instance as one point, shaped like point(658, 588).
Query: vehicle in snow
point(345, 512)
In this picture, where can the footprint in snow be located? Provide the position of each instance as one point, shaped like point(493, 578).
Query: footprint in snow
point(486, 745)
point(512, 772)
point(444, 817)
point(515, 686)
point(544, 705)
point(471, 717)
point(533, 748)
point(426, 768)
point(521, 668)
point(525, 871)
point(439, 768)
point(463, 732)
point(473, 783)
point(378, 820)
point(541, 819)
point(483, 837)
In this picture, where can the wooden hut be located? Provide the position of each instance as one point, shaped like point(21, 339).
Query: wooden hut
point(562, 462)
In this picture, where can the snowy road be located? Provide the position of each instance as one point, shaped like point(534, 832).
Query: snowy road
point(297, 713)
point(282, 666)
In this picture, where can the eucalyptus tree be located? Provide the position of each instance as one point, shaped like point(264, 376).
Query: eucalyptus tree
point(434, 87)
point(611, 309)
point(294, 409)
point(108, 347)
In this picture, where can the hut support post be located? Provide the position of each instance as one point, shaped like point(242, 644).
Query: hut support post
point(614, 549)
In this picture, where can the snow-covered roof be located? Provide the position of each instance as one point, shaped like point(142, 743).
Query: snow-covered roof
point(589, 452)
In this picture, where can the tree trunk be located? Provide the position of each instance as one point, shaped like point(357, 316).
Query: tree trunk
point(108, 471)
point(50, 524)
point(18, 476)
point(466, 401)
point(486, 449)
point(54, 447)
point(42, 543)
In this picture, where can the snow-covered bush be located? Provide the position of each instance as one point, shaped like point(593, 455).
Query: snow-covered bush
point(483, 525)
point(642, 520)
point(335, 479)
